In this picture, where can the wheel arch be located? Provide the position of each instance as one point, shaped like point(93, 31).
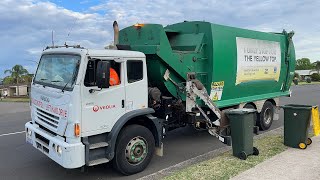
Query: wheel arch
point(272, 101)
point(259, 104)
point(250, 103)
point(141, 117)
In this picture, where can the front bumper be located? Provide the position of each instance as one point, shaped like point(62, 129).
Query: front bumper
point(71, 156)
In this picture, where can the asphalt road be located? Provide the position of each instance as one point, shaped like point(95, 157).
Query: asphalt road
point(19, 160)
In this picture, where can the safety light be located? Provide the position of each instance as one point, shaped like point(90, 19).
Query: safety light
point(58, 150)
point(138, 25)
point(77, 129)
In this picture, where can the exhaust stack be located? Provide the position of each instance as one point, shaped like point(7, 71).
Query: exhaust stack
point(116, 34)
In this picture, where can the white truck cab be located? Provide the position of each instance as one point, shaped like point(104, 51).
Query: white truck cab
point(78, 119)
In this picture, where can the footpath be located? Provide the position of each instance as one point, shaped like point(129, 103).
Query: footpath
point(291, 164)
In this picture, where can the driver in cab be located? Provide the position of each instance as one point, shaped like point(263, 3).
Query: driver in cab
point(114, 77)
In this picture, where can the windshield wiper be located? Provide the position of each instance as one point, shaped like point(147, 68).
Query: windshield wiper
point(42, 79)
point(56, 81)
point(74, 73)
point(66, 85)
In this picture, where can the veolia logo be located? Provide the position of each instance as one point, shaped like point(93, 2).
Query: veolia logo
point(95, 108)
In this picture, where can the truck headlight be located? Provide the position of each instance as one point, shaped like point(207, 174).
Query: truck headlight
point(29, 132)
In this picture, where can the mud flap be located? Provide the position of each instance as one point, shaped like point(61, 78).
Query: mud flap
point(159, 150)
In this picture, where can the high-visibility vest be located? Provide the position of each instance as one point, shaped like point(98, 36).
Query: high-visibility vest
point(114, 78)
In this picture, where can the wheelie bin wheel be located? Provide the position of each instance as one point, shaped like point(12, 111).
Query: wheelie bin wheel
point(243, 155)
point(309, 141)
point(302, 145)
point(255, 151)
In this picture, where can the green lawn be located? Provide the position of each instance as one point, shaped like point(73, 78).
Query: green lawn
point(305, 83)
point(226, 166)
point(14, 99)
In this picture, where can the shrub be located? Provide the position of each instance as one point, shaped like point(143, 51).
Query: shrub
point(308, 80)
point(315, 77)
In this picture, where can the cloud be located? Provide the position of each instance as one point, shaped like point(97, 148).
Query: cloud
point(27, 28)
point(268, 16)
point(27, 24)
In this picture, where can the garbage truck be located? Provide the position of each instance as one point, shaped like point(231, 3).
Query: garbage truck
point(184, 74)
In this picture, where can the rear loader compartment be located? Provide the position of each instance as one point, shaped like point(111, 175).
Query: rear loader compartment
point(235, 65)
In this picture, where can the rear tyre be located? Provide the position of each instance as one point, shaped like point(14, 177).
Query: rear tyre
point(265, 118)
point(134, 149)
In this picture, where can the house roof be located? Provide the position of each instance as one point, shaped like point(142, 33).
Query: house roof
point(305, 72)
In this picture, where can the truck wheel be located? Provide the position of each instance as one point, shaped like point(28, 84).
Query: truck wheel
point(134, 149)
point(265, 118)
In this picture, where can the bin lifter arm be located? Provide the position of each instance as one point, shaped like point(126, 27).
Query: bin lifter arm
point(194, 89)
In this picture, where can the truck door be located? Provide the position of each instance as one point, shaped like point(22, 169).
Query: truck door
point(136, 84)
point(102, 108)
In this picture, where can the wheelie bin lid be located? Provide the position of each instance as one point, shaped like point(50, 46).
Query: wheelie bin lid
point(241, 111)
point(296, 106)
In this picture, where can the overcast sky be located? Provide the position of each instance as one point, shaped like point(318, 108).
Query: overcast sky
point(26, 25)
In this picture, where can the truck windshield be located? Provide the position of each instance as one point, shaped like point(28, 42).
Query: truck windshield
point(58, 70)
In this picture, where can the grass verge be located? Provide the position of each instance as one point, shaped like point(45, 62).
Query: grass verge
point(14, 100)
point(305, 83)
point(226, 166)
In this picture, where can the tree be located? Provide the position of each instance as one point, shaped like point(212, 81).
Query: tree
point(16, 73)
point(316, 66)
point(27, 78)
point(303, 64)
point(8, 80)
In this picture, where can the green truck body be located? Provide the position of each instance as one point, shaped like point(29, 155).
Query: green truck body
point(235, 65)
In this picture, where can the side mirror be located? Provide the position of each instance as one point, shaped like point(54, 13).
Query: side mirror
point(103, 74)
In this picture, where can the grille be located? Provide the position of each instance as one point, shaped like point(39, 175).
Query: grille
point(48, 118)
point(42, 143)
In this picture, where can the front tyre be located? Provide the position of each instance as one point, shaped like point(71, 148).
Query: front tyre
point(134, 149)
point(266, 116)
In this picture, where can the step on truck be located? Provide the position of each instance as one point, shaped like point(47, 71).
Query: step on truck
point(184, 74)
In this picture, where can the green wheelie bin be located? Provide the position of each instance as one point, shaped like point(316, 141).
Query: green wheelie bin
point(242, 127)
point(296, 124)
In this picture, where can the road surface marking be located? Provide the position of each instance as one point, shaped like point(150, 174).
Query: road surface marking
point(12, 133)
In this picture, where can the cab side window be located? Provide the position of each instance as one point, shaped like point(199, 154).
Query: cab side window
point(134, 70)
point(90, 77)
